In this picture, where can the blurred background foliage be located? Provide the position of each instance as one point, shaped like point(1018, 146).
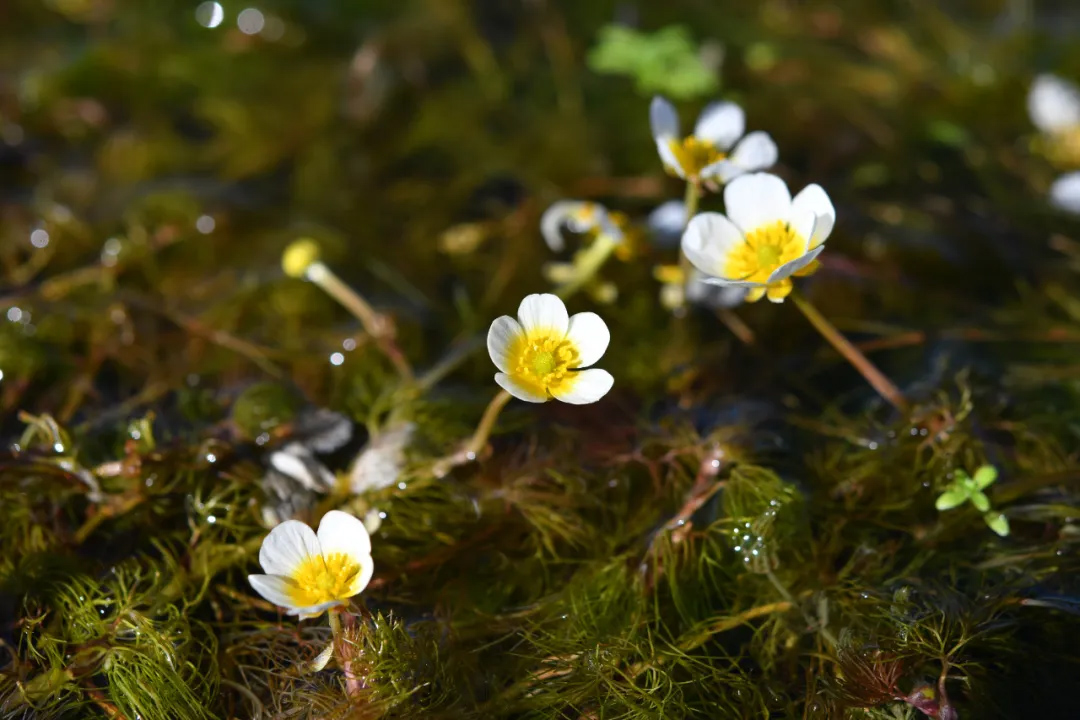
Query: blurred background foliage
point(736, 531)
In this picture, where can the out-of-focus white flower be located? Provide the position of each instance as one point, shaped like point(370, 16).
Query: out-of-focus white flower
point(1065, 192)
point(544, 352)
point(679, 289)
point(667, 222)
point(379, 464)
point(714, 150)
point(1054, 106)
point(765, 238)
point(308, 573)
point(577, 216)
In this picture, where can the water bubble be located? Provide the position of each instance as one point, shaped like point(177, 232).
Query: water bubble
point(205, 224)
point(211, 458)
point(872, 445)
point(401, 486)
point(250, 21)
point(349, 344)
point(58, 447)
point(211, 519)
point(337, 358)
point(39, 238)
point(14, 314)
point(382, 514)
point(210, 14)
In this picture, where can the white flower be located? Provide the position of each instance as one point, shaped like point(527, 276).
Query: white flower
point(542, 354)
point(1065, 192)
point(1054, 104)
point(380, 463)
point(711, 151)
point(667, 222)
point(765, 238)
point(1054, 107)
point(308, 573)
point(579, 217)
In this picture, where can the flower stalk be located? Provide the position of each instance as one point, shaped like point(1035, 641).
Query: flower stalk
point(353, 684)
point(867, 369)
point(301, 260)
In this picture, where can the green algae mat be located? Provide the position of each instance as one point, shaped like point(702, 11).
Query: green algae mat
point(539, 359)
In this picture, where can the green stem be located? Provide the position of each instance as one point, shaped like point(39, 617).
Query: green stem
point(353, 684)
point(373, 323)
point(825, 633)
point(690, 200)
point(875, 377)
point(587, 264)
point(479, 438)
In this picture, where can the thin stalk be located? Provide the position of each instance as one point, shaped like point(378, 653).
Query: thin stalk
point(479, 438)
point(587, 265)
point(353, 684)
point(784, 593)
point(875, 377)
point(373, 323)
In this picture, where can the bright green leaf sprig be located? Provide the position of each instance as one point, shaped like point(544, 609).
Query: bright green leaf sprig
point(965, 488)
point(665, 62)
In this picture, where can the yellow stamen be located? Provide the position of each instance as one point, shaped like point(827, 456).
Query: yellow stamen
point(323, 578)
point(765, 250)
point(543, 360)
point(694, 154)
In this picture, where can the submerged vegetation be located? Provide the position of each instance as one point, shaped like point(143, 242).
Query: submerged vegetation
point(732, 523)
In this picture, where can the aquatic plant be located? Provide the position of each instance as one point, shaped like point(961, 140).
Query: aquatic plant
point(249, 258)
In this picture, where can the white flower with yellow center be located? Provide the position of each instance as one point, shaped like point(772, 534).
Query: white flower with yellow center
point(711, 152)
point(308, 573)
point(1054, 107)
point(765, 238)
point(543, 354)
point(577, 216)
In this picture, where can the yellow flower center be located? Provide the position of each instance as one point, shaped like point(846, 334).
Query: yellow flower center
point(765, 250)
point(694, 154)
point(323, 578)
point(1063, 148)
point(543, 361)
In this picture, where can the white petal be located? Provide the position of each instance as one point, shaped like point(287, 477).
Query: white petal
point(790, 268)
point(723, 170)
point(755, 200)
point(543, 312)
point(668, 157)
point(340, 532)
point(1065, 192)
point(297, 462)
point(721, 123)
point(501, 336)
point(1053, 103)
point(289, 544)
point(551, 222)
point(663, 119)
point(588, 387)
point(668, 220)
point(513, 387)
point(804, 222)
point(815, 199)
point(591, 336)
point(273, 588)
point(709, 239)
point(756, 151)
point(315, 610)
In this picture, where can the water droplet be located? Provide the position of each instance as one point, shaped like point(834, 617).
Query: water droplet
point(250, 21)
point(210, 14)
